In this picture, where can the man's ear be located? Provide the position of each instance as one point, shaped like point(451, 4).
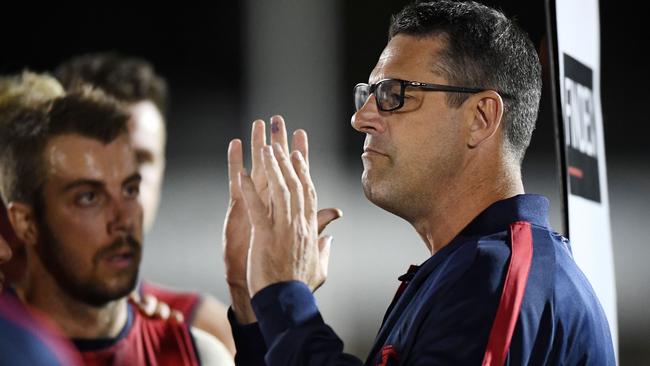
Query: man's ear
point(488, 111)
point(23, 221)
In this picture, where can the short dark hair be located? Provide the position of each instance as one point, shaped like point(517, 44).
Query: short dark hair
point(483, 49)
point(128, 79)
point(25, 132)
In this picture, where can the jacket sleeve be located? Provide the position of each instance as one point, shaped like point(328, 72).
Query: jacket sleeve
point(249, 343)
point(294, 330)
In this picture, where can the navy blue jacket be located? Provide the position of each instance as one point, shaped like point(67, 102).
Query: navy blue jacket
point(445, 314)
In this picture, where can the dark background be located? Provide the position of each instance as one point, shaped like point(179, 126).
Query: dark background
point(198, 49)
point(201, 50)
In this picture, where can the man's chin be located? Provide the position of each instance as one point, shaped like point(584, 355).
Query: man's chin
point(373, 182)
point(372, 190)
point(114, 289)
point(123, 285)
point(102, 299)
point(385, 196)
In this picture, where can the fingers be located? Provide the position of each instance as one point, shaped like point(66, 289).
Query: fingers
point(294, 185)
point(309, 197)
point(285, 176)
point(235, 166)
point(327, 215)
point(135, 296)
point(163, 311)
point(280, 195)
point(299, 143)
point(258, 141)
point(178, 316)
point(279, 133)
point(151, 307)
point(255, 207)
point(148, 304)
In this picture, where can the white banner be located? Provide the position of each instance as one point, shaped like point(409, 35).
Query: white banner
point(578, 60)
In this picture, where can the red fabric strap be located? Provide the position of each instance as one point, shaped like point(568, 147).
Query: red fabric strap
point(512, 295)
point(388, 353)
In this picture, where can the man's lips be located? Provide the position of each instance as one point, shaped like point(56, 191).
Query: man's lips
point(120, 258)
point(370, 151)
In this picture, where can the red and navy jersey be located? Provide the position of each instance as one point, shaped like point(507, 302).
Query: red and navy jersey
point(187, 302)
point(143, 341)
point(27, 338)
point(506, 290)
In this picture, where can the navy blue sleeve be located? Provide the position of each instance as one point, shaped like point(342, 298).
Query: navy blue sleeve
point(20, 347)
point(294, 330)
point(249, 343)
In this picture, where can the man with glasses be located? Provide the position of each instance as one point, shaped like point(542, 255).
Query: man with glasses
point(448, 114)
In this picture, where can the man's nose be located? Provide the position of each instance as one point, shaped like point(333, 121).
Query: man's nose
point(123, 216)
point(368, 119)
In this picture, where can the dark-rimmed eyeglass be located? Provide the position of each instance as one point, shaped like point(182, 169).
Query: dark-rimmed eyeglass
point(389, 93)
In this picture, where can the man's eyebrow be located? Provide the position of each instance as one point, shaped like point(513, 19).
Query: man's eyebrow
point(143, 156)
point(133, 178)
point(83, 182)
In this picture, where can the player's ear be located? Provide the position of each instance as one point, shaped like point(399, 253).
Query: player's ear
point(22, 219)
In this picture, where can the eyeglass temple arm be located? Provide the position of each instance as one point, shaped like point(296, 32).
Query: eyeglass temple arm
point(454, 89)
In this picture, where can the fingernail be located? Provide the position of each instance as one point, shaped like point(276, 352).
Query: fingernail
point(275, 126)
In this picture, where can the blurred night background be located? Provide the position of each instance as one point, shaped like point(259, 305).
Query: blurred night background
point(228, 63)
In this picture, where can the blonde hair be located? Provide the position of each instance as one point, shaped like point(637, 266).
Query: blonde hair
point(28, 89)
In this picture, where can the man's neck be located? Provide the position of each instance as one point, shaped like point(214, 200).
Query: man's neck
point(75, 319)
point(461, 203)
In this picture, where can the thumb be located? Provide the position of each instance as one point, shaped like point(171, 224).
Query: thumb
point(234, 185)
point(327, 215)
point(324, 246)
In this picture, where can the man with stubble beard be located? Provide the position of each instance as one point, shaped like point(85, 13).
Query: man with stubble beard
point(144, 92)
point(448, 112)
point(71, 183)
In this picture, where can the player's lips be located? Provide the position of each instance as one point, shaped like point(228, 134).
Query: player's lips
point(121, 258)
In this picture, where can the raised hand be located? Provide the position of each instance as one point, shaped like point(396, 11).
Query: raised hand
point(285, 244)
point(237, 228)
